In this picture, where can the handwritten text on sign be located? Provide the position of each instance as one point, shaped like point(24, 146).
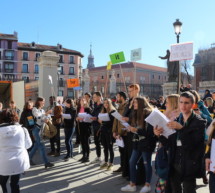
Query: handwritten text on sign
point(117, 57)
point(183, 51)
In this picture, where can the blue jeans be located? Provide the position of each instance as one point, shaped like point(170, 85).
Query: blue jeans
point(38, 145)
point(68, 140)
point(212, 182)
point(147, 161)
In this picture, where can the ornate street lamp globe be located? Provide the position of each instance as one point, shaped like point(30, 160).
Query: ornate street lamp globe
point(177, 26)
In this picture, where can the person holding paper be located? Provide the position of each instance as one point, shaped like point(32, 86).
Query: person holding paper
point(107, 135)
point(186, 147)
point(97, 98)
point(209, 159)
point(84, 129)
point(144, 143)
point(69, 125)
point(119, 133)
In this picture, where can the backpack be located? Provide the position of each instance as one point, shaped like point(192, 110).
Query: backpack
point(49, 130)
point(162, 163)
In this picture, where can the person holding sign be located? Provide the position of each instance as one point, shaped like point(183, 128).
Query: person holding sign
point(144, 143)
point(186, 147)
point(84, 129)
point(107, 134)
point(209, 161)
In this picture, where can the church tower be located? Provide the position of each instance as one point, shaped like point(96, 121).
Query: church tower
point(90, 59)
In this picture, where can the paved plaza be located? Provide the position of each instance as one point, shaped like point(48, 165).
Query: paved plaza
point(75, 177)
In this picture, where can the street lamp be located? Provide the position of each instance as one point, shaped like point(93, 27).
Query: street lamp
point(177, 27)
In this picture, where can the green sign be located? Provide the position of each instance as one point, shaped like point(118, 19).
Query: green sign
point(117, 57)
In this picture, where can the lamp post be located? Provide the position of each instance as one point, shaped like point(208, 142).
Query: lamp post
point(177, 27)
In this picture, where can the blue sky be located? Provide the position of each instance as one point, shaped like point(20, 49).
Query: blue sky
point(111, 25)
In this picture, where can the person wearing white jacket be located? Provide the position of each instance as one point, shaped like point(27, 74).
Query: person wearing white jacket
point(14, 142)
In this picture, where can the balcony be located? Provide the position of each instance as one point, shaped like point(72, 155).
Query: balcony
point(36, 72)
point(9, 57)
point(71, 73)
point(25, 71)
point(61, 61)
point(25, 58)
point(9, 70)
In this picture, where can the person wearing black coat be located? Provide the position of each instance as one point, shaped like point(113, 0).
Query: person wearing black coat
point(27, 119)
point(144, 143)
point(84, 127)
point(185, 147)
point(69, 127)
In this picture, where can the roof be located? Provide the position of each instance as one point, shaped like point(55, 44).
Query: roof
point(8, 36)
point(131, 65)
point(41, 47)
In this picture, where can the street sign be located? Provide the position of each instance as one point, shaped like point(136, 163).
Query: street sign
point(117, 57)
point(183, 51)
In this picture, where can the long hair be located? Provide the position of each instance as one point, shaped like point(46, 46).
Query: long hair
point(57, 111)
point(173, 101)
point(86, 105)
point(25, 108)
point(139, 115)
point(110, 106)
point(71, 102)
point(37, 103)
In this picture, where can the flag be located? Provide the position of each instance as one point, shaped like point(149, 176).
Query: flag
point(109, 65)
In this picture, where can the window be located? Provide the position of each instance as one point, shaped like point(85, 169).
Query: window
point(37, 55)
point(61, 59)
point(102, 77)
point(61, 69)
point(109, 76)
point(71, 60)
point(71, 71)
point(25, 55)
point(103, 89)
point(25, 68)
point(36, 69)
point(36, 78)
point(159, 77)
point(9, 55)
point(61, 82)
point(117, 75)
point(153, 76)
point(25, 78)
point(70, 93)
point(60, 93)
point(9, 68)
point(9, 44)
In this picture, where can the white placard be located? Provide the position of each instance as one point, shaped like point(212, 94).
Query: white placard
point(136, 54)
point(104, 117)
point(120, 142)
point(183, 51)
point(212, 165)
point(66, 116)
point(156, 118)
point(86, 117)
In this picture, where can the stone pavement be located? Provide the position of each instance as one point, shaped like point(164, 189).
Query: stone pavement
point(75, 177)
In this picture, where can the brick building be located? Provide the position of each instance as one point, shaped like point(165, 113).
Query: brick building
point(204, 66)
point(150, 78)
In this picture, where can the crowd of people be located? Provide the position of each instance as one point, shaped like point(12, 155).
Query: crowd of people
point(181, 158)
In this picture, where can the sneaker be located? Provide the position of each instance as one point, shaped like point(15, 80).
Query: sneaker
point(129, 188)
point(86, 159)
point(57, 154)
point(66, 158)
point(49, 165)
point(145, 189)
point(96, 160)
point(110, 167)
point(104, 166)
point(118, 170)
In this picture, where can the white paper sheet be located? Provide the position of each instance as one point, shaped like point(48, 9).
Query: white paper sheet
point(156, 118)
point(86, 117)
point(120, 143)
point(104, 117)
point(212, 165)
point(66, 116)
point(117, 116)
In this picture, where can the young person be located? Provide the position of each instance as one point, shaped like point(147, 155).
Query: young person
point(107, 135)
point(69, 127)
point(144, 143)
point(186, 147)
point(84, 129)
point(41, 117)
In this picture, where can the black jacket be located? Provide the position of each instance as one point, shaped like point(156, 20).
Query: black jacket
point(24, 119)
point(107, 126)
point(84, 127)
point(96, 110)
point(192, 149)
point(70, 123)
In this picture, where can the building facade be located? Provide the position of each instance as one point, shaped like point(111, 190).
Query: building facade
point(8, 56)
point(150, 78)
point(204, 66)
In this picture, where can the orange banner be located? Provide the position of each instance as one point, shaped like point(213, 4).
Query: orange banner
point(72, 83)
